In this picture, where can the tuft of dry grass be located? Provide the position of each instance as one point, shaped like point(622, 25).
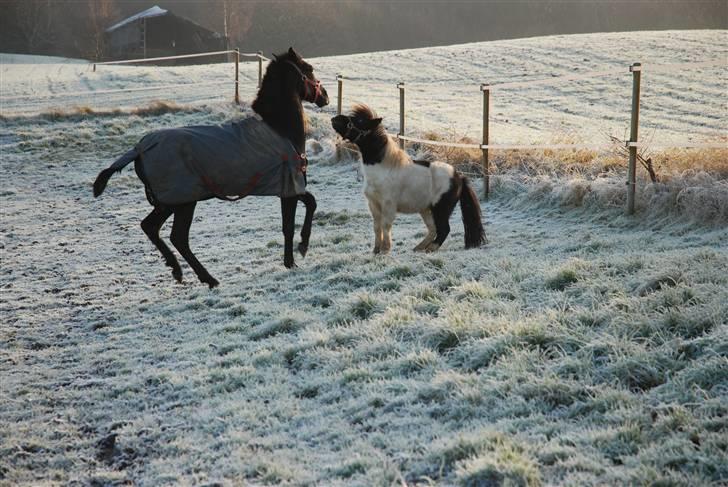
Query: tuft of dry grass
point(158, 107)
point(676, 161)
point(155, 108)
point(585, 162)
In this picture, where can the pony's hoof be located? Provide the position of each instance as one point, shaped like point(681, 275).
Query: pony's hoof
point(433, 247)
point(302, 249)
point(177, 274)
point(290, 264)
point(212, 282)
point(376, 250)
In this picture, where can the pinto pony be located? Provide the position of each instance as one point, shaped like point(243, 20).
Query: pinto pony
point(394, 183)
point(261, 155)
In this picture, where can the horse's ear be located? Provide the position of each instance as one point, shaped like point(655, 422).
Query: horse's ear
point(293, 53)
point(374, 123)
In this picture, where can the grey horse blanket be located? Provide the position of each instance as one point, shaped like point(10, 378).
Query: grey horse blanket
point(227, 161)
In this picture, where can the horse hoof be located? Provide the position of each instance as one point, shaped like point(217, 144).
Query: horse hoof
point(432, 248)
point(302, 249)
point(212, 282)
point(177, 274)
point(376, 250)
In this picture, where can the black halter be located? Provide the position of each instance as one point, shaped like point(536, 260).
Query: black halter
point(359, 133)
point(315, 86)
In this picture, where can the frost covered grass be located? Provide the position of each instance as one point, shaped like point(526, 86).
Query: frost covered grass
point(540, 359)
point(579, 347)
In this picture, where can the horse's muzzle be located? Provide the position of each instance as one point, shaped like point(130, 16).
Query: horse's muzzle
point(322, 98)
point(340, 124)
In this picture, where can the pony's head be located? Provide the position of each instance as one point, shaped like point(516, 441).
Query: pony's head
point(359, 126)
point(298, 75)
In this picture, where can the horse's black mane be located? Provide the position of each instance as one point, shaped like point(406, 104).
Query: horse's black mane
point(278, 101)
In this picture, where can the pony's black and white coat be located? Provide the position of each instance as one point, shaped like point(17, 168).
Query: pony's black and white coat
point(394, 183)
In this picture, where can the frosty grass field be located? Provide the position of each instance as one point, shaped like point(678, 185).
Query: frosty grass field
point(580, 346)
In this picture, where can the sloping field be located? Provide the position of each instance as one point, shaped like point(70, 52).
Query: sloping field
point(579, 347)
point(443, 86)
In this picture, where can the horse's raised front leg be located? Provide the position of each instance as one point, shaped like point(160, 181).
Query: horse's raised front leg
point(181, 240)
point(288, 215)
point(151, 225)
point(376, 212)
point(310, 202)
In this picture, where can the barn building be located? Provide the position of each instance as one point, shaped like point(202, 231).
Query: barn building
point(157, 32)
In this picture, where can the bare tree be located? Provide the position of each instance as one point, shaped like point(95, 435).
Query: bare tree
point(237, 18)
point(643, 155)
point(33, 23)
point(100, 14)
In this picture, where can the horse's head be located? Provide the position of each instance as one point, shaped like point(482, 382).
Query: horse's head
point(356, 127)
point(299, 76)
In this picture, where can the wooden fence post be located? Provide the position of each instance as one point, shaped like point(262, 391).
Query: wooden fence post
point(237, 75)
point(339, 101)
point(636, 70)
point(401, 113)
point(486, 139)
point(260, 68)
point(340, 82)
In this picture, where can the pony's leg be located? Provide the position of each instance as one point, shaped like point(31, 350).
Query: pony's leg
point(288, 215)
point(376, 212)
point(389, 213)
point(441, 212)
point(431, 230)
point(151, 225)
point(181, 240)
point(310, 202)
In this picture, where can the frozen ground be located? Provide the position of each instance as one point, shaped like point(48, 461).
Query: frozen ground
point(578, 347)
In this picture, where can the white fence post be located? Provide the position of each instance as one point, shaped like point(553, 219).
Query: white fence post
point(486, 139)
point(260, 69)
point(401, 113)
point(237, 75)
point(340, 82)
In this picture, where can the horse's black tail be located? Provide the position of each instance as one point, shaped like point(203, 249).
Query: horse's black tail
point(470, 208)
point(118, 165)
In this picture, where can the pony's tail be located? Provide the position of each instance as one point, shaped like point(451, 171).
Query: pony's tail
point(470, 208)
point(118, 165)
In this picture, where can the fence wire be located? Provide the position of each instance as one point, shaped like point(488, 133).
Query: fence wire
point(673, 67)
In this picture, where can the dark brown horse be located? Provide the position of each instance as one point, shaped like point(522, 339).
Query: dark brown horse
point(184, 154)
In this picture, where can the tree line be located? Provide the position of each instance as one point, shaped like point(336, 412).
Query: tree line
point(75, 28)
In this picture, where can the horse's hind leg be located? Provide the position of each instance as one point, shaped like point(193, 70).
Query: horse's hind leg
point(431, 230)
point(151, 225)
point(181, 240)
point(288, 215)
point(310, 202)
point(441, 212)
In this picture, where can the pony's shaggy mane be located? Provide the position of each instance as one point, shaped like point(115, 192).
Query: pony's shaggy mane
point(393, 155)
